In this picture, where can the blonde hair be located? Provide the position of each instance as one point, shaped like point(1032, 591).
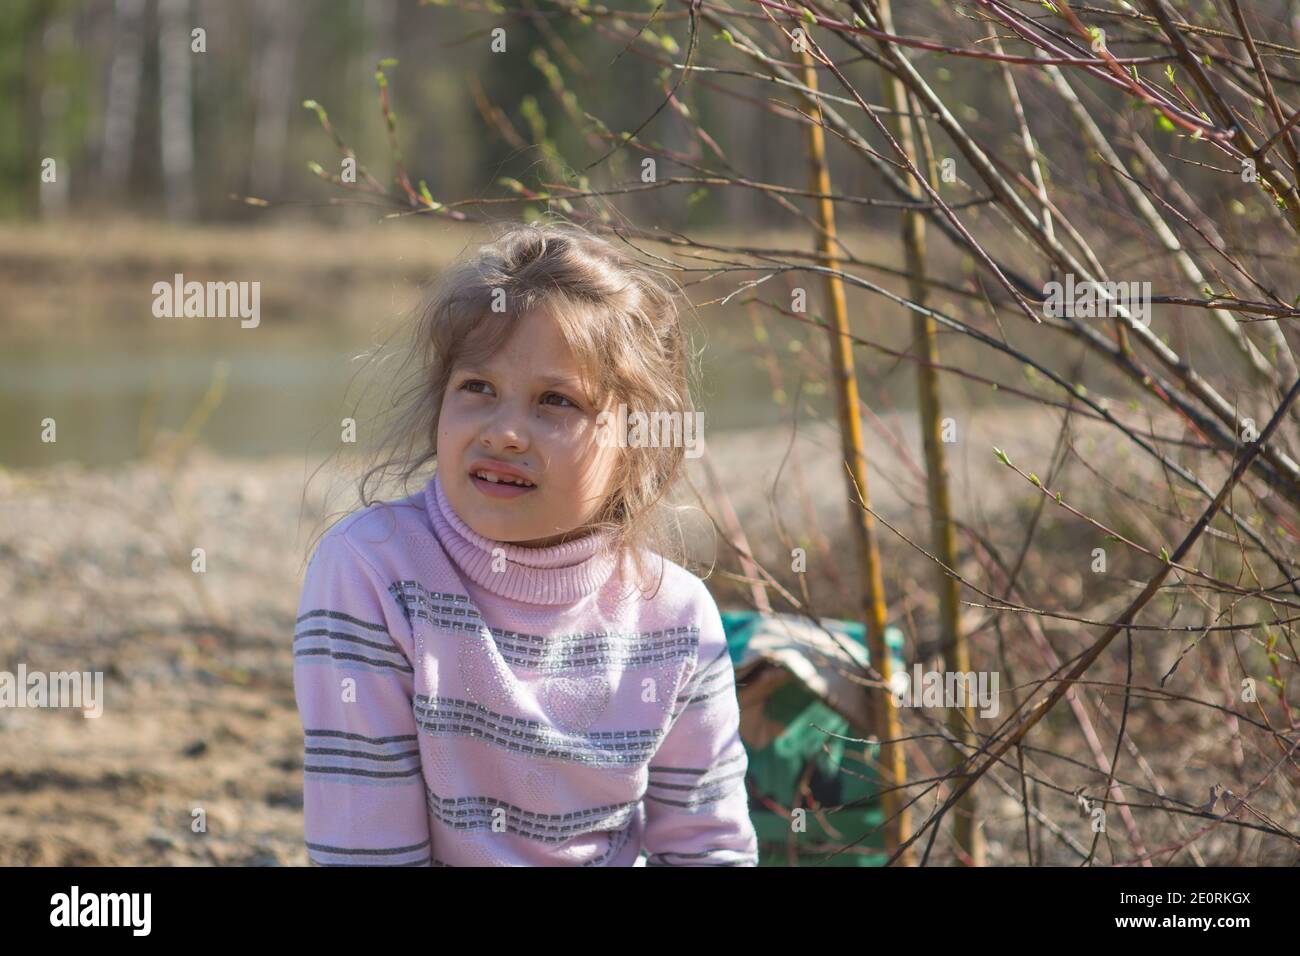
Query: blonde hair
point(619, 317)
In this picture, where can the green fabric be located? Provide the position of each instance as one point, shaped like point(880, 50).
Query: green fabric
point(837, 777)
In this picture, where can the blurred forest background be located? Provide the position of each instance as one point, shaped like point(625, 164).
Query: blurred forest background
point(143, 128)
point(110, 89)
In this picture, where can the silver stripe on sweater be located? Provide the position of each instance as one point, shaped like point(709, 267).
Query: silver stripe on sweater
point(450, 716)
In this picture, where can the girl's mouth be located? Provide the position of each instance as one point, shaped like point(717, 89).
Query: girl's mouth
point(496, 485)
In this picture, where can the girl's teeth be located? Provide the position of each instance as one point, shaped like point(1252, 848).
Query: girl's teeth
point(493, 477)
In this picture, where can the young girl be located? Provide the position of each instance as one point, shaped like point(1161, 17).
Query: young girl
point(496, 670)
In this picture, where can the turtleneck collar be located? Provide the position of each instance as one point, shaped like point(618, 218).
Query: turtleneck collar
point(560, 574)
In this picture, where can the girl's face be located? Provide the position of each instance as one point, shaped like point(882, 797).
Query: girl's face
point(523, 416)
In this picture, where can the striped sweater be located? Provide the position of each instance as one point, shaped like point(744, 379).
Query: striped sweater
point(467, 702)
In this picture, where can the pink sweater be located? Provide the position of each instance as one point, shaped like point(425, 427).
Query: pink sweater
point(468, 706)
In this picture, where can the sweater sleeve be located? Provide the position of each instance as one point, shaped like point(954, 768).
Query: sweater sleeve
point(696, 803)
point(363, 787)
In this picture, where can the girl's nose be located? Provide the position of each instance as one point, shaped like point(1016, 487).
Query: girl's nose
point(505, 430)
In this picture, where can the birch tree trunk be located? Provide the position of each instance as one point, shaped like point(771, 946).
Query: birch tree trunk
point(56, 43)
point(175, 106)
point(278, 25)
point(123, 95)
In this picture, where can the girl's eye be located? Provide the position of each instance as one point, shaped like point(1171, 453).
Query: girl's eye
point(567, 401)
point(472, 385)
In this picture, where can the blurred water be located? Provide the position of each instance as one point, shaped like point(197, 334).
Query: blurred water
point(276, 396)
point(286, 393)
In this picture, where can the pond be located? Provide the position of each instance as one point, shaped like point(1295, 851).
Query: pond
point(286, 391)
